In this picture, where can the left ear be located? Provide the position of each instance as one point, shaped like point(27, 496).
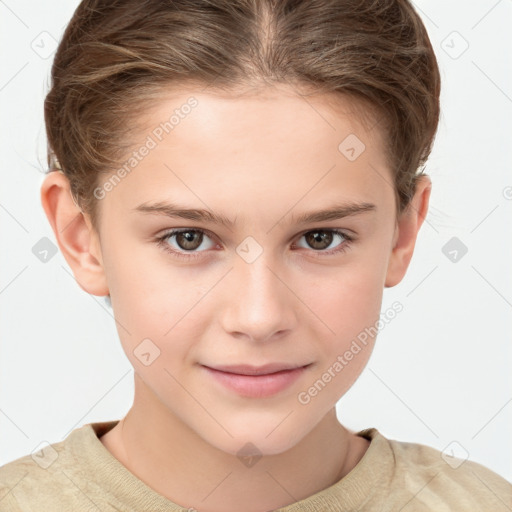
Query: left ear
point(408, 225)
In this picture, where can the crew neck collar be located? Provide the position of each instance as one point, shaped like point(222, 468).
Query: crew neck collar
point(370, 475)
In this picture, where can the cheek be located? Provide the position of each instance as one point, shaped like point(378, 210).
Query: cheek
point(145, 287)
point(153, 301)
point(349, 304)
point(347, 299)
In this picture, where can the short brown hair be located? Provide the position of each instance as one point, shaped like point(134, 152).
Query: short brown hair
point(117, 56)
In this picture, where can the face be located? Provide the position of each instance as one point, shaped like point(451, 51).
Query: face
point(265, 286)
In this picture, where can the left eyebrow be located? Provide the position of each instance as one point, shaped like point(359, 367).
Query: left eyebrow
point(337, 211)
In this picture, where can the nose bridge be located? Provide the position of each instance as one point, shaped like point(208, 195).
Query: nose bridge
point(253, 269)
point(265, 260)
point(258, 276)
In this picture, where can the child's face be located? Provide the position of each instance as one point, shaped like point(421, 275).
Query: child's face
point(264, 290)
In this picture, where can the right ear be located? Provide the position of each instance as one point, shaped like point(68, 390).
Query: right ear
point(77, 239)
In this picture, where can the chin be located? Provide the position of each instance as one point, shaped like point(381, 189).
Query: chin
point(268, 438)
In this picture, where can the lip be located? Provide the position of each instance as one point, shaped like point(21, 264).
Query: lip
point(247, 369)
point(256, 382)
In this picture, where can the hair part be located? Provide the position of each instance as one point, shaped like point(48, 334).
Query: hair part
point(117, 58)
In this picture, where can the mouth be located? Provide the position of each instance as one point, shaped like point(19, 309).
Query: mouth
point(256, 381)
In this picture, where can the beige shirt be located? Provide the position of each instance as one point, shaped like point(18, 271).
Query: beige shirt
point(80, 474)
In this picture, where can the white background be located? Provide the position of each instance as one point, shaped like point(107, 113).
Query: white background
point(440, 371)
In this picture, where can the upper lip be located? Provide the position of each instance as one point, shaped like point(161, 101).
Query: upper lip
point(247, 369)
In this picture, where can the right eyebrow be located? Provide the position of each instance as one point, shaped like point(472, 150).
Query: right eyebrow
point(181, 212)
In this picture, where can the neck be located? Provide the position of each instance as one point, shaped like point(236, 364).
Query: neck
point(175, 462)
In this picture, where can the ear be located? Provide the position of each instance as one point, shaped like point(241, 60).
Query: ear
point(77, 239)
point(406, 231)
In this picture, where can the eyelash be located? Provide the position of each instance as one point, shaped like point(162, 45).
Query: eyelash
point(161, 242)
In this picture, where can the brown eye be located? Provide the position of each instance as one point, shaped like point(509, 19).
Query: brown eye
point(326, 242)
point(185, 242)
point(319, 239)
point(189, 240)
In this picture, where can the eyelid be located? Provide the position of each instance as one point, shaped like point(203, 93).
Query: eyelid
point(344, 231)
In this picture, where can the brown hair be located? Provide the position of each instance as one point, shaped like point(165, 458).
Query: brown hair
point(117, 56)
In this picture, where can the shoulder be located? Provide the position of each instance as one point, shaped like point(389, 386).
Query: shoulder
point(24, 479)
point(437, 481)
point(62, 476)
point(12, 475)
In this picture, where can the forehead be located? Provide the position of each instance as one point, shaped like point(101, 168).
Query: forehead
point(269, 149)
point(253, 119)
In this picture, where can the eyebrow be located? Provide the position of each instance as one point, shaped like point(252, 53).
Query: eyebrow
point(337, 211)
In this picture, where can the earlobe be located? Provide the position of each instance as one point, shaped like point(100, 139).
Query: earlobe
point(77, 240)
point(408, 226)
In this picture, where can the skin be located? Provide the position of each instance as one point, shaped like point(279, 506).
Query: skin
point(261, 159)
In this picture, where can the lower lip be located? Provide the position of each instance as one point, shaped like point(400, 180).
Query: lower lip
point(257, 386)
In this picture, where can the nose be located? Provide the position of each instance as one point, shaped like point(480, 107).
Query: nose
point(258, 304)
